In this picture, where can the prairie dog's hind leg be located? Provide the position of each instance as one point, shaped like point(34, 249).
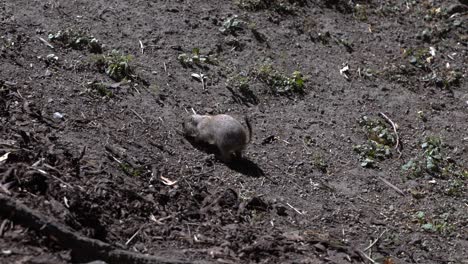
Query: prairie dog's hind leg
point(226, 156)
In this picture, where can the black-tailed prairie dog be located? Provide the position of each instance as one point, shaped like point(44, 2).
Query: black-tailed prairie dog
point(222, 131)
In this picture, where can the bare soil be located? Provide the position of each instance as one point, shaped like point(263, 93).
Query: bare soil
point(104, 157)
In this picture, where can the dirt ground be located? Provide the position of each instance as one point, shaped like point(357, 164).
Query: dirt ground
point(359, 112)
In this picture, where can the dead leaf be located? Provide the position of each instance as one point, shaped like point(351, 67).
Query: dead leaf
point(168, 182)
point(4, 157)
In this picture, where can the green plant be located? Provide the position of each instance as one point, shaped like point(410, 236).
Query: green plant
point(279, 83)
point(371, 152)
point(451, 78)
point(240, 83)
point(434, 161)
point(320, 163)
point(360, 12)
point(129, 170)
point(76, 39)
point(100, 89)
point(195, 58)
point(232, 24)
point(377, 130)
point(438, 224)
point(418, 57)
point(280, 6)
point(379, 142)
point(115, 65)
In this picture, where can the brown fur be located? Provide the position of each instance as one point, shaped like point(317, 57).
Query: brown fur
point(223, 131)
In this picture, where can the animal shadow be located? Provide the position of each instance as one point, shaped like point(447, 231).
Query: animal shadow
point(246, 167)
point(241, 165)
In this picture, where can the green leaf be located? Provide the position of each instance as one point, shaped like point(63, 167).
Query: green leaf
point(428, 226)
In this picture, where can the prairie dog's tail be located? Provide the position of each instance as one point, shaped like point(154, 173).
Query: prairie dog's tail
point(249, 126)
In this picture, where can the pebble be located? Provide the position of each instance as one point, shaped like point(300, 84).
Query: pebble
point(58, 115)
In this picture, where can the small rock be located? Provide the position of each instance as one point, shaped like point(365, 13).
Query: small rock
point(58, 115)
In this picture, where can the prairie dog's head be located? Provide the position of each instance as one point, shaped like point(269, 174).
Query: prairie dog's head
point(190, 125)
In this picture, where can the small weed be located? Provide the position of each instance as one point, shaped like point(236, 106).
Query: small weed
point(187, 60)
point(439, 224)
point(279, 83)
point(115, 65)
point(435, 162)
point(7, 44)
point(371, 152)
point(378, 146)
point(419, 57)
point(129, 170)
point(456, 188)
point(360, 12)
point(320, 163)
point(100, 89)
point(232, 25)
point(449, 79)
point(377, 130)
point(76, 39)
point(241, 83)
point(280, 6)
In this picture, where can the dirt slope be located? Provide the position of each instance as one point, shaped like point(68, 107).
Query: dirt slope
point(93, 93)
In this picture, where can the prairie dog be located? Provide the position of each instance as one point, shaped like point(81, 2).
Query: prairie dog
point(223, 131)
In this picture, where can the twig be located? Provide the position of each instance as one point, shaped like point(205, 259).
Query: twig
point(142, 48)
point(134, 235)
point(397, 144)
point(46, 43)
point(375, 241)
point(139, 116)
point(366, 257)
point(398, 190)
point(2, 227)
point(53, 176)
point(297, 211)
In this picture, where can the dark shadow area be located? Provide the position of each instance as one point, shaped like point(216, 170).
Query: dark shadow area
point(246, 167)
point(241, 165)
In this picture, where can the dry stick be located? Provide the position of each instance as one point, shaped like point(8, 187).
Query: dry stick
point(46, 43)
point(2, 227)
point(375, 241)
point(367, 257)
point(138, 115)
point(142, 48)
point(134, 235)
point(297, 211)
point(53, 176)
point(397, 145)
point(398, 190)
point(67, 238)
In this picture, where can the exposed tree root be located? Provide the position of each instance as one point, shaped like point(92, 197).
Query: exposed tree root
point(84, 249)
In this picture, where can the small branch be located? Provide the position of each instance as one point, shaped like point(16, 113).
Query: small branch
point(375, 241)
point(139, 116)
point(134, 235)
point(46, 43)
point(397, 144)
point(142, 48)
point(398, 190)
point(297, 211)
point(367, 257)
